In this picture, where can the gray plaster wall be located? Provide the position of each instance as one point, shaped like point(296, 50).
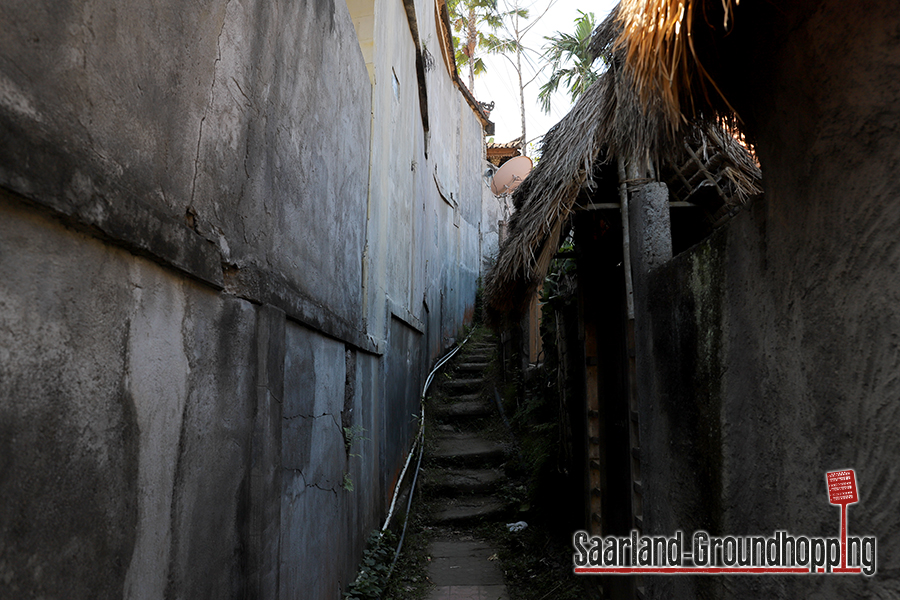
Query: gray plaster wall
point(331, 486)
point(491, 213)
point(424, 228)
point(226, 265)
point(246, 121)
point(127, 404)
point(776, 340)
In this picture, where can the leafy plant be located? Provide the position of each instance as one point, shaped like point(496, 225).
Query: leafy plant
point(352, 435)
point(372, 577)
point(570, 49)
point(477, 21)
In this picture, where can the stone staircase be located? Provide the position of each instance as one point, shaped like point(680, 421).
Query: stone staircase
point(464, 473)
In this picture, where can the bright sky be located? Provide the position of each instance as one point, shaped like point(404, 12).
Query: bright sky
point(500, 82)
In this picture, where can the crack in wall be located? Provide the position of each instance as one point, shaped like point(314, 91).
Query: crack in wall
point(301, 416)
point(333, 489)
point(292, 417)
point(209, 102)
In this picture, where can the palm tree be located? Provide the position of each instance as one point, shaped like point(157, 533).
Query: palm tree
point(467, 18)
point(566, 48)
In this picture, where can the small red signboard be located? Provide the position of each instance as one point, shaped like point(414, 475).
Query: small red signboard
point(842, 487)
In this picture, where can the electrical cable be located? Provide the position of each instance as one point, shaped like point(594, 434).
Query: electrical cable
point(420, 440)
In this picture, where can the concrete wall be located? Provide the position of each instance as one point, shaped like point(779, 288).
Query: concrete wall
point(128, 404)
point(422, 255)
point(776, 339)
point(221, 248)
point(491, 215)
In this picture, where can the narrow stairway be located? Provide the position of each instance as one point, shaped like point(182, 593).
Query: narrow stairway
point(464, 473)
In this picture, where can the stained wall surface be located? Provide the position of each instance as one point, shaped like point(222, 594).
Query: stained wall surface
point(225, 266)
point(775, 341)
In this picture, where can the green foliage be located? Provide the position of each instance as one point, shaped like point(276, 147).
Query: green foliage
point(372, 577)
point(352, 435)
point(559, 284)
point(570, 61)
point(477, 22)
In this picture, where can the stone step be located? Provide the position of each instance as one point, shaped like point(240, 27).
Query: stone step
point(467, 509)
point(483, 357)
point(468, 409)
point(467, 449)
point(460, 398)
point(456, 482)
point(455, 387)
point(482, 347)
point(470, 367)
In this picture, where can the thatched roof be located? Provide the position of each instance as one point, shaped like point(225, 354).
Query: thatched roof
point(610, 119)
point(659, 39)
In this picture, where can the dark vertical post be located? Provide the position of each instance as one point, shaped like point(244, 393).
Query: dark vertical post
point(647, 221)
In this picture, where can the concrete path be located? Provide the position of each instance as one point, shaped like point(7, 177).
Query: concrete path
point(463, 474)
point(463, 569)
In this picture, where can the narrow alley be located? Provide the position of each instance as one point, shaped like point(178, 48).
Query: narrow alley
point(477, 529)
point(237, 236)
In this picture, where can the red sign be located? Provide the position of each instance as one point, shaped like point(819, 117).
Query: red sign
point(842, 487)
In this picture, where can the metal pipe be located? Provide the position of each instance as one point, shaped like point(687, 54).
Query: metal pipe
point(420, 439)
point(421, 433)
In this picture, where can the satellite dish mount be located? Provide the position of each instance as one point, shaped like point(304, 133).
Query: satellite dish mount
point(510, 175)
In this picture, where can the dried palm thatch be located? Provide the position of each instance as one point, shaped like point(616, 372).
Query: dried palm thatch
point(714, 156)
point(661, 55)
point(608, 121)
point(544, 201)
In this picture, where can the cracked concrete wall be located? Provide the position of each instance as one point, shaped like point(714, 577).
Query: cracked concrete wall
point(126, 421)
point(226, 117)
point(331, 485)
point(220, 246)
point(314, 465)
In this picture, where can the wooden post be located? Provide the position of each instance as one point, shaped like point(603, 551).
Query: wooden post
point(592, 403)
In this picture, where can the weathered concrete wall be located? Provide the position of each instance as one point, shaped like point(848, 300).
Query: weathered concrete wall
point(127, 408)
point(331, 488)
point(425, 187)
point(777, 337)
point(222, 116)
point(425, 205)
point(491, 213)
point(221, 250)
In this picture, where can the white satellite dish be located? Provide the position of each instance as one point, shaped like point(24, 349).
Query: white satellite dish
point(510, 175)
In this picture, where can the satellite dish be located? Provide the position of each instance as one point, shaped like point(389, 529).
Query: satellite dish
point(510, 175)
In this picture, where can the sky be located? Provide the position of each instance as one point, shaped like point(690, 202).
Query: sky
point(500, 82)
